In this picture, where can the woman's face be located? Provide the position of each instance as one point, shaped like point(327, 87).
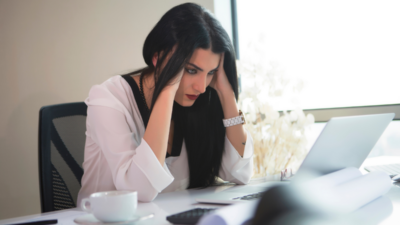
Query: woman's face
point(197, 75)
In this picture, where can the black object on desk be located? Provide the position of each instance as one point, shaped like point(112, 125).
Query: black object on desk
point(42, 222)
point(286, 205)
point(189, 217)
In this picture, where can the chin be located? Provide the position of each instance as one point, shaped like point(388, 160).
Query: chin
point(185, 103)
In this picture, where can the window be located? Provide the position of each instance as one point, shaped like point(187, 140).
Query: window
point(345, 52)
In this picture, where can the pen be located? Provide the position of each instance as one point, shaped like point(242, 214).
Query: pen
point(40, 222)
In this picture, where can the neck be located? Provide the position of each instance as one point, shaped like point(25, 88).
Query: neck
point(148, 88)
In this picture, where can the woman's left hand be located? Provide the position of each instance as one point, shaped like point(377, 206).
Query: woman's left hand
point(236, 134)
point(220, 81)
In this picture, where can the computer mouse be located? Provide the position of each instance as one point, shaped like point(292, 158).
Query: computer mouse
point(396, 178)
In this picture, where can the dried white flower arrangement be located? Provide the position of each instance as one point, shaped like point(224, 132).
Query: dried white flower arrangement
point(279, 138)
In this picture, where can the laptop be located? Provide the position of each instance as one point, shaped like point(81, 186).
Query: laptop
point(344, 142)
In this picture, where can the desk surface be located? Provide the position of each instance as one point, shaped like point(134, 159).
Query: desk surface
point(173, 202)
point(164, 205)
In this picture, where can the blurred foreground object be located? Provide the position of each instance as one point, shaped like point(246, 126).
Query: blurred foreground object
point(342, 197)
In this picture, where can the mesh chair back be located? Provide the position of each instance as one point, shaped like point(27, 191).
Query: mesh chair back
point(61, 147)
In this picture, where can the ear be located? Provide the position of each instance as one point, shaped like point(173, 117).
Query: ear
point(155, 59)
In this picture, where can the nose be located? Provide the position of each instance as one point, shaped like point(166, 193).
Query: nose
point(200, 84)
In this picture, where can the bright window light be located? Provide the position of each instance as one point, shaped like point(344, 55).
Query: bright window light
point(346, 52)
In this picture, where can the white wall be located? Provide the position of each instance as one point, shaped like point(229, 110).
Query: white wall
point(53, 52)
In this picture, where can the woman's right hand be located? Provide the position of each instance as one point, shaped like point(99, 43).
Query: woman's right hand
point(175, 82)
point(158, 127)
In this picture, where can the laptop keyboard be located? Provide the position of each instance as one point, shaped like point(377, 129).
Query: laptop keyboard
point(250, 196)
point(391, 169)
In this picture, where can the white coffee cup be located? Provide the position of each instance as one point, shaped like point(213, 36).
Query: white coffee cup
point(111, 206)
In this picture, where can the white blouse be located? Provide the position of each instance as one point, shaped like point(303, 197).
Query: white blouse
point(118, 158)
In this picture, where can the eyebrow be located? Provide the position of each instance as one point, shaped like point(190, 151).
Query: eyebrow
point(199, 67)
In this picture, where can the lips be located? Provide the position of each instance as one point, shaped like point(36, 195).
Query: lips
point(192, 97)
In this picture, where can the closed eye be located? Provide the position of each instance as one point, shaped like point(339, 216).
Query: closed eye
point(191, 71)
point(212, 72)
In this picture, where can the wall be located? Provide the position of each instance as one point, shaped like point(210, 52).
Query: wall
point(53, 52)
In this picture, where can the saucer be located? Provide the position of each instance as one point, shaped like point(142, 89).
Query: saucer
point(89, 219)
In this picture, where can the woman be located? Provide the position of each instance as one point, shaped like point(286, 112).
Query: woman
point(161, 128)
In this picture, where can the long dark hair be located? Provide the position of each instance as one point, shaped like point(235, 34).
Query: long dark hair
point(189, 27)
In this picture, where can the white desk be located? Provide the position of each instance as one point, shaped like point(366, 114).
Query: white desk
point(173, 202)
point(165, 204)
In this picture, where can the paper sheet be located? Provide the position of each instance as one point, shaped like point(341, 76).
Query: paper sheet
point(358, 192)
point(235, 214)
point(344, 191)
point(335, 178)
point(373, 213)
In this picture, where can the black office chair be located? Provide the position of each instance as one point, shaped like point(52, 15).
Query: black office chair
point(61, 146)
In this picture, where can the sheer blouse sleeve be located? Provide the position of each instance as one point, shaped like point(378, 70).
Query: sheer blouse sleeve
point(113, 129)
point(133, 167)
point(235, 168)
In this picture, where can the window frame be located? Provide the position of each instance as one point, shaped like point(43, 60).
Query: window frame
point(323, 115)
